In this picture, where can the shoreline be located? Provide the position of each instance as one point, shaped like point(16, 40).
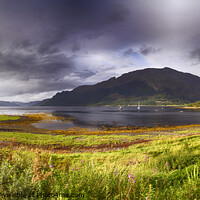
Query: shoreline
point(191, 107)
point(21, 132)
point(26, 121)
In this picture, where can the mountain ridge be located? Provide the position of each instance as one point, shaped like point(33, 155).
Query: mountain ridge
point(148, 85)
point(17, 103)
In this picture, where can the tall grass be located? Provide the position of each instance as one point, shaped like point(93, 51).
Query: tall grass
point(162, 170)
point(7, 117)
point(63, 140)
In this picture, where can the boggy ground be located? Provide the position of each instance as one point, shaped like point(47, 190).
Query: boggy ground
point(23, 123)
point(160, 170)
point(159, 163)
point(17, 131)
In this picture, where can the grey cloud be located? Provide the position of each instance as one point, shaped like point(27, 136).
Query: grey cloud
point(195, 54)
point(47, 49)
point(46, 41)
point(75, 47)
point(49, 69)
point(23, 44)
point(84, 73)
point(145, 50)
point(130, 51)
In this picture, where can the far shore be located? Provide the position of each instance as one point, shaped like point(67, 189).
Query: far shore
point(181, 106)
point(190, 107)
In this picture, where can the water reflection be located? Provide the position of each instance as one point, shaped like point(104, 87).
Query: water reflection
point(87, 117)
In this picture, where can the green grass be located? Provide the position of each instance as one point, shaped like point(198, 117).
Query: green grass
point(63, 140)
point(196, 104)
point(155, 100)
point(188, 131)
point(163, 169)
point(6, 117)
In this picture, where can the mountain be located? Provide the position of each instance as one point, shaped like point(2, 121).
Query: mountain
point(31, 103)
point(149, 86)
point(16, 103)
point(7, 103)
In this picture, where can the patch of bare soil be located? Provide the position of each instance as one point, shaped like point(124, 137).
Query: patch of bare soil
point(72, 149)
point(23, 124)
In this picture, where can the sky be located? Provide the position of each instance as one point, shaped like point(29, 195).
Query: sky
point(48, 46)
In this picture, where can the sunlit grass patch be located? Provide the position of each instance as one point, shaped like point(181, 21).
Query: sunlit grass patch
point(188, 131)
point(167, 167)
point(69, 141)
point(104, 130)
point(7, 117)
point(163, 169)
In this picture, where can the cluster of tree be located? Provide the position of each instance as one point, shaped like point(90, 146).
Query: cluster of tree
point(196, 104)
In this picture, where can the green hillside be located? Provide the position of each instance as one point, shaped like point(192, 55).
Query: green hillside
point(149, 86)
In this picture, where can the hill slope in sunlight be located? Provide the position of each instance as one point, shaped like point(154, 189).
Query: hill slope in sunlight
point(150, 86)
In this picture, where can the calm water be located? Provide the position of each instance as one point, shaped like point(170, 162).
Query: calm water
point(98, 116)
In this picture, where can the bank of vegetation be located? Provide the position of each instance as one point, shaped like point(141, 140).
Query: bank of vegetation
point(155, 167)
point(196, 104)
point(164, 169)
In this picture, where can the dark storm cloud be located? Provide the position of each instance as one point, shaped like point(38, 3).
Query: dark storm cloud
point(75, 47)
point(38, 37)
point(144, 50)
point(195, 54)
point(27, 62)
point(84, 73)
point(34, 64)
point(23, 44)
point(56, 45)
point(129, 51)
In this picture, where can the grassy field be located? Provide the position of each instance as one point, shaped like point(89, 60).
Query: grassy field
point(149, 167)
point(6, 117)
point(76, 142)
point(164, 169)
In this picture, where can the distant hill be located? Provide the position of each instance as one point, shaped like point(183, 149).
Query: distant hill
point(31, 103)
point(149, 86)
point(195, 104)
point(16, 103)
point(7, 103)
